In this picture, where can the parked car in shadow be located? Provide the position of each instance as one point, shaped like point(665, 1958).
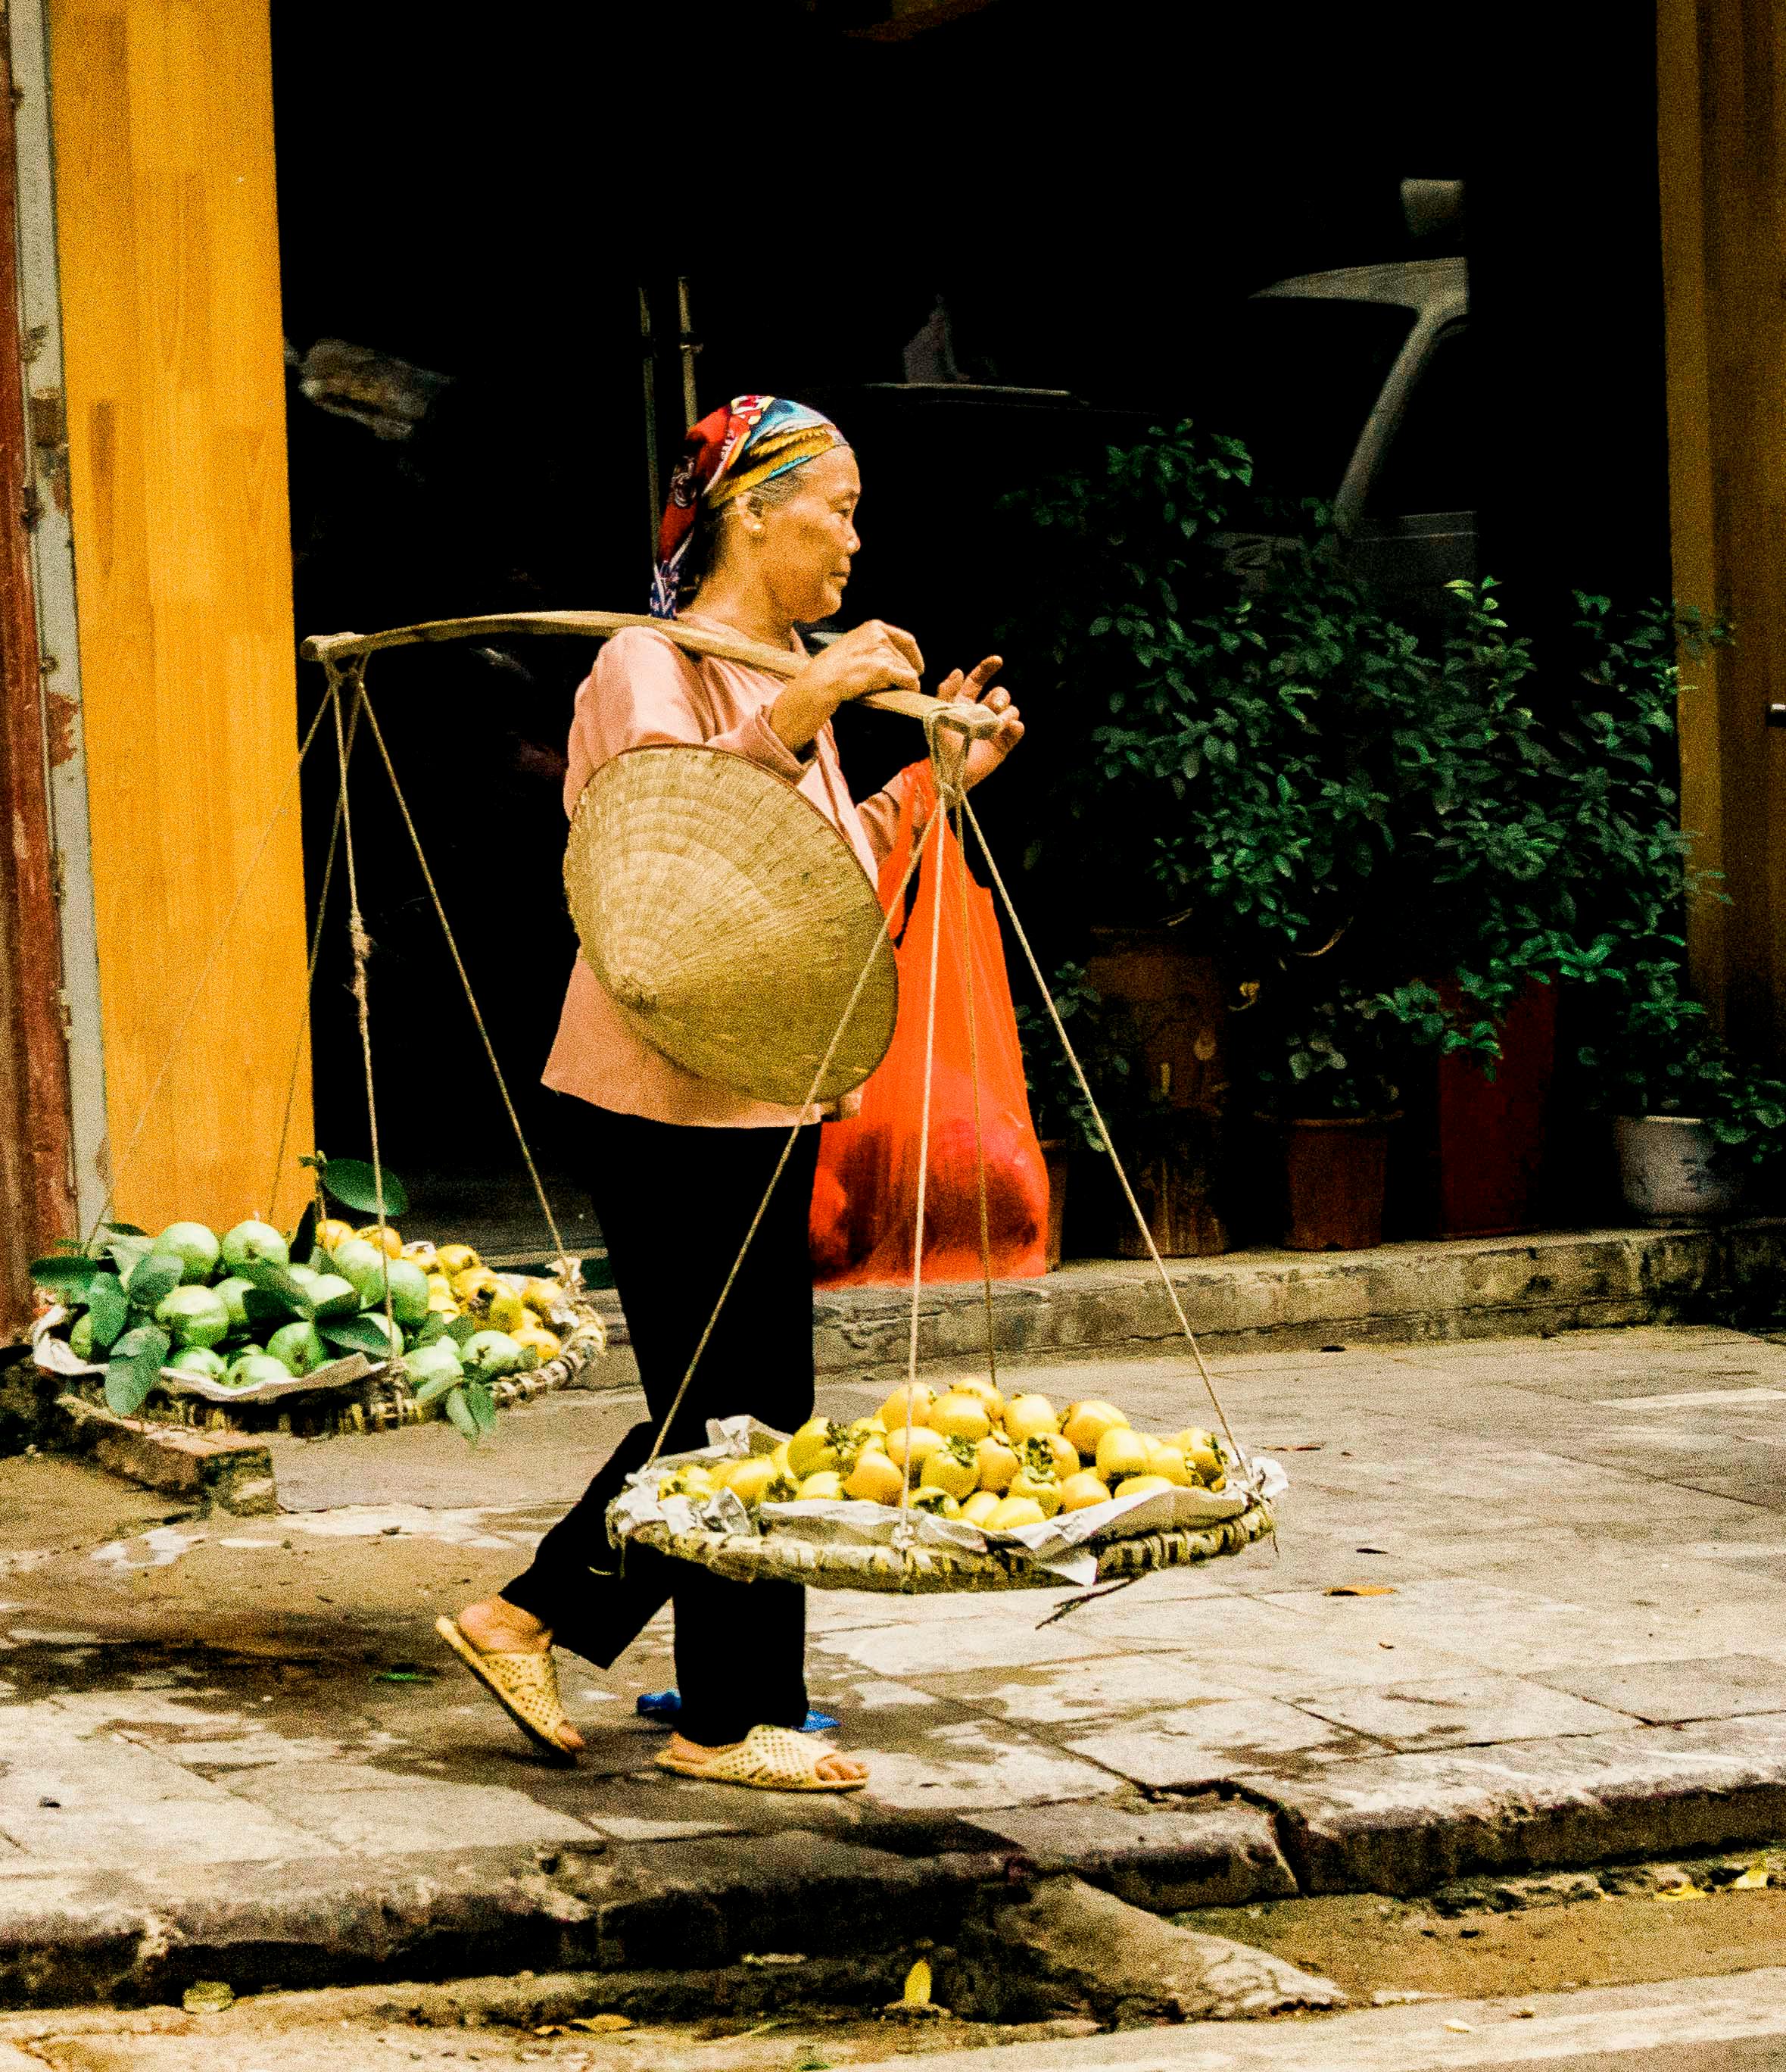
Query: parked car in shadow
point(1357, 387)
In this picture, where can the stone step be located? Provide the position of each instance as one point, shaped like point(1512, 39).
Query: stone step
point(1533, 1285)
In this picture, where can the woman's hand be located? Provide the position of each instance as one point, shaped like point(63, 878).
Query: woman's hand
point(984, 755)
point(872, 656)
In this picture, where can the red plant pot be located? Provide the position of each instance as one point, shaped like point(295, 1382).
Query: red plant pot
point(1492, 1132)
point(1334, 1170)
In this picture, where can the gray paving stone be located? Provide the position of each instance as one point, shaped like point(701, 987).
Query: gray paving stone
point(198, 1829)
point(1519, 1632)
point(408, 1815)
point(628, 1827)
point(1718, 1686)
point(1199, 1745)
point(1404, 1823)
point(990, 1642)
point(1222, 1853)
point(978, 1766)
point(1059, 1693)
point(1463, 1711)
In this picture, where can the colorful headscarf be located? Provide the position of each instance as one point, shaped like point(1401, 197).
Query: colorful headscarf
point(730, 452)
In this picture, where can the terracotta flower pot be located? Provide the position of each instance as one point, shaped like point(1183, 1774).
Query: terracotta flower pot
point(1334, 1170)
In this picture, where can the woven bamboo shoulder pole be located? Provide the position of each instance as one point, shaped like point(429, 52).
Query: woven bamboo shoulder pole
point(971, 720)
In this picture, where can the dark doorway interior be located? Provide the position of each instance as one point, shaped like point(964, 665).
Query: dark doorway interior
point(1088, 203)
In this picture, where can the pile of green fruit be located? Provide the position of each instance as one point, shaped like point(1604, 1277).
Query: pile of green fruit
point(252, 1308)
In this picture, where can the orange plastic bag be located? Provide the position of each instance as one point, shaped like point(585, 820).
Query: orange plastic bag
point(865, 1203)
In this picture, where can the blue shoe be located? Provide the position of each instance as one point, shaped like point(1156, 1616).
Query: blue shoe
point(665, 1707)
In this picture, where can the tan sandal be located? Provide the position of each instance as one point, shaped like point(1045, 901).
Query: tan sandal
point(524, 1685)
point(767, 1759)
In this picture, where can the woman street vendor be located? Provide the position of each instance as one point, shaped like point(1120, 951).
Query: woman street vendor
point(761, 525)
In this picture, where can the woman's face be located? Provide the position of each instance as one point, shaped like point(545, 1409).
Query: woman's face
point(804, 552)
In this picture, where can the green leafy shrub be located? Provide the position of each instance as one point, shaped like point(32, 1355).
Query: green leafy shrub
point(1354, 800)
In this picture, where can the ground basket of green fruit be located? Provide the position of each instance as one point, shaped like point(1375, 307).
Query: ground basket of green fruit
point(334, 1328)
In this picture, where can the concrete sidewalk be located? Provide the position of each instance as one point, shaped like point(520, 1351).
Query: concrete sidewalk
point(234, 1749)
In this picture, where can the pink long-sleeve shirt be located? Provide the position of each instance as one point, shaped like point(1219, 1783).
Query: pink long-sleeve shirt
point(644, 689)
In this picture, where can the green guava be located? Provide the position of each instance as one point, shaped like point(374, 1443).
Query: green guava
point(410, 1293)
point(195, 1245)
point(252, 1369)
point(434, 1362)
point(254, 1240)
point(364, 1264)
point(195, 1316)
point(489, 1352)
point(231, 1293)
point(332, 1295)
point(202, 1360)
point(299, 1348)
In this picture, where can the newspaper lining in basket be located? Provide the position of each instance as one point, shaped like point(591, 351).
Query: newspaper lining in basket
point(54, 1356)
point(1065, 1549)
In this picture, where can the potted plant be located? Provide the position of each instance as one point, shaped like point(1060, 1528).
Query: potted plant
point(1325, 1089)
point(1689, 1122)
point(1168, 1149)
point(1312, 769)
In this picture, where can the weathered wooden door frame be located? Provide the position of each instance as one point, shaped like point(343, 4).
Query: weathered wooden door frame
point(36, 1188)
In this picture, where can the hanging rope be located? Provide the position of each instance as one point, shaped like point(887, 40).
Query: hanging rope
point(361, 944)
point(952, 799)
point(300, 1047)
point(942, 823)
point(893, 908)
point(120, 1163)
point(905, 1530)
point(973, 1072)
point(1097, 1116)
point(568, 1266)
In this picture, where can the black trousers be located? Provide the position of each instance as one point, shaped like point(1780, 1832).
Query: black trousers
point(673, 1203)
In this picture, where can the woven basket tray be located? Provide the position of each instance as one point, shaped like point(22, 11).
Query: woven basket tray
point(743, 1558)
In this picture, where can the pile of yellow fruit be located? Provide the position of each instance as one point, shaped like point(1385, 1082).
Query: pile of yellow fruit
point(460, 1284)
point(968, 1454)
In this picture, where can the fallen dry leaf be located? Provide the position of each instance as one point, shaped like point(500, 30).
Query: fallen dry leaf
point(602, 2025)
point(1362, 1590)
point(1755, 1877)
point(1460, 2028)
point(917, 1985)
point(1676, 1892)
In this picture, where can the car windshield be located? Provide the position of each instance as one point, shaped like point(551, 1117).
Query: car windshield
point(1295, 378)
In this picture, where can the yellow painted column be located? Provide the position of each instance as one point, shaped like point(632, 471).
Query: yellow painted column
point(167, 236)
point(1722, 133)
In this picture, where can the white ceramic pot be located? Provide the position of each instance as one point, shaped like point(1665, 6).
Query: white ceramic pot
point(1670, 1170)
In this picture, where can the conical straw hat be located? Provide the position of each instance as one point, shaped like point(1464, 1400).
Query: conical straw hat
point(729, 921)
